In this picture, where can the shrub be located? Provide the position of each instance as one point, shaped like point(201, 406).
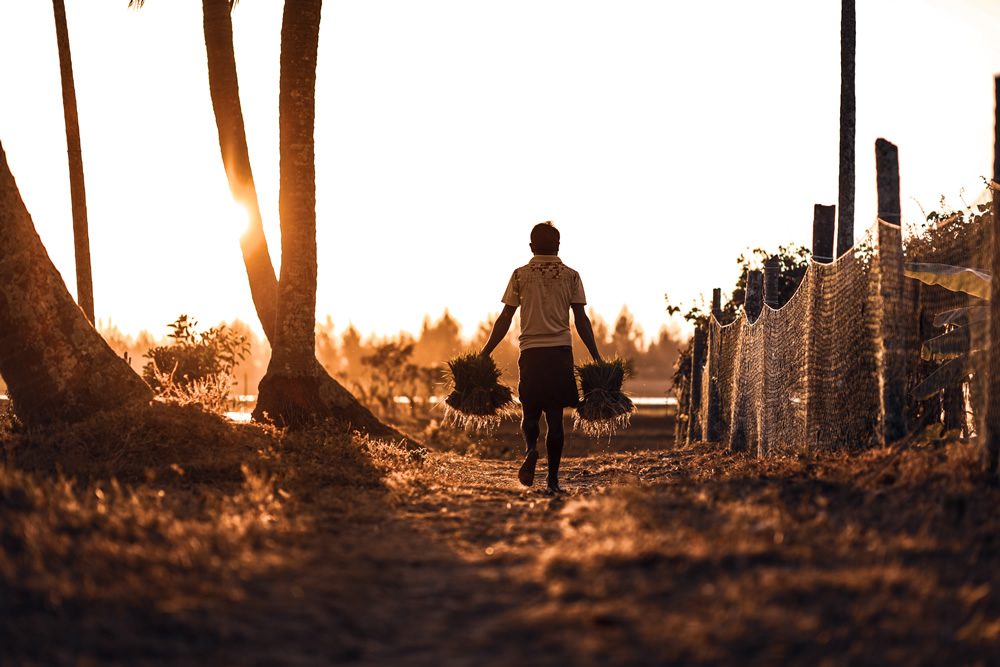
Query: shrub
point(195, 367)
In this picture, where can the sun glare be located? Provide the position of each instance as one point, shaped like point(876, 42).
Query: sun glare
point(226, 220)
point(237, 219)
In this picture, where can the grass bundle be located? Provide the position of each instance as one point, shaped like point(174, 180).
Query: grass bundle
point(604, 406)
point(478, 399)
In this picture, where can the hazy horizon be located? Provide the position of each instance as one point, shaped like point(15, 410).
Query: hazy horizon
point(467, 331)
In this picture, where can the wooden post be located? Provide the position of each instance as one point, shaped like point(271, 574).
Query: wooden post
point(848, 119)
point(824, 238)
point(754, 301)
point(890, 289)
point(682, 415)
point(772, 271)
point(694, 397)
point(714, 407)
point(824, 221)
point(992, 439)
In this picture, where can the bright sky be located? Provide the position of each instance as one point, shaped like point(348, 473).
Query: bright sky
point(663, 138)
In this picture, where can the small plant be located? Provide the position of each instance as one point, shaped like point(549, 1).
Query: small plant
point(478, 398)
point(195, 367)
point(604, 406)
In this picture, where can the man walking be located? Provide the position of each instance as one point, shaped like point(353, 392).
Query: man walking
point(546, 290)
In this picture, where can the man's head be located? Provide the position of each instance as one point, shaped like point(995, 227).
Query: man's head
point(544, 239)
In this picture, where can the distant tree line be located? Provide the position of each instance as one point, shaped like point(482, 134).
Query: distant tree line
point(380, 368)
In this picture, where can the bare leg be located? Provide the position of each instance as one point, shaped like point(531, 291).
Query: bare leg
point(554, 440)
point(530, 426)
point(531, 430)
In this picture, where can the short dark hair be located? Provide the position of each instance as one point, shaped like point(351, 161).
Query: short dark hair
point(545, 238)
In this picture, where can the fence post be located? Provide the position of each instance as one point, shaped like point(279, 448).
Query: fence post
point(714, 407)
point(824, 219)
point(772, 270)
point(682, 417)
point(890, 290)
point(754, 301)
point(772, 273)
point(991, 447)
point(848, 122)
point(694, 395)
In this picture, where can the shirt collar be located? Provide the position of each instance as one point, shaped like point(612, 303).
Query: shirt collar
point(537, 259)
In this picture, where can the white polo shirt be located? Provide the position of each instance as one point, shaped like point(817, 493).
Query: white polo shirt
point(544, 289)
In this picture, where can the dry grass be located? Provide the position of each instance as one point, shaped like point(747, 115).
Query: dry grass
point(167, 444)
point(125, 532)
point(783, 560)
point(231, 544)
point(211, 392)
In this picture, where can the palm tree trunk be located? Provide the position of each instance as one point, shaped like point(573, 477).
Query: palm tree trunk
point(295, 344)
point(289, 391)
point(78, 195)
point(56, 366)
point(224, 88)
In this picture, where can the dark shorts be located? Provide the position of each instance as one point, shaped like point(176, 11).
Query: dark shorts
point(546, 378)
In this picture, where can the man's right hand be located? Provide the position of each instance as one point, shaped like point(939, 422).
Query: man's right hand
point(500, 329)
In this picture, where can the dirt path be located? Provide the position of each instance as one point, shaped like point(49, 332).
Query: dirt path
point(445, 578)
point(497, 535)
point(455, 575)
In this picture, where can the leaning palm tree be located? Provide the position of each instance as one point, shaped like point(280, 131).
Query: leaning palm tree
point(56, 366)
point(224, 87)
point(333, 398)
point(78, 195)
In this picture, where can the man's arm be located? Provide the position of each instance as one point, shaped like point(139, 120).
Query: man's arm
point(500, 329)
point(585, 329)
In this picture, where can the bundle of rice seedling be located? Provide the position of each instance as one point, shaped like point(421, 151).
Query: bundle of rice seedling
point(478, 399)
point(604, 406)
